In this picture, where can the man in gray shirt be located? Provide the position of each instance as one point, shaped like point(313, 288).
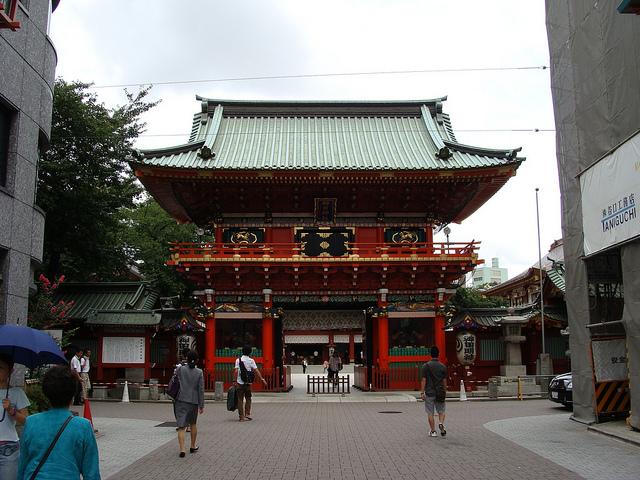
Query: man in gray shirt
point(434, 390)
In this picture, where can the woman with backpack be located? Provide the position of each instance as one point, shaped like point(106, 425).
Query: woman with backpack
point(189, 401)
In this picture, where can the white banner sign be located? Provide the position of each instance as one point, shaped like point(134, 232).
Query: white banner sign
point(610, 360)
point(123, 350)
point(610, 198)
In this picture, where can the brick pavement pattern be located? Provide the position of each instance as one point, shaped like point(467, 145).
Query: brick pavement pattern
point(346, 441)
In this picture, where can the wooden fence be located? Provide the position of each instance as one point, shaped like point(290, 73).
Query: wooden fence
point(398, 378)
point(320, 384)
point(278, 379)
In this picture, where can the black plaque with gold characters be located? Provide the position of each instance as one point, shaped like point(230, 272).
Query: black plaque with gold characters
point(243, 236)
point(324, 242)
point(404, 235)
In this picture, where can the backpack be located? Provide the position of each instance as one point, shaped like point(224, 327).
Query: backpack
point(441, 392)
point(247, 376)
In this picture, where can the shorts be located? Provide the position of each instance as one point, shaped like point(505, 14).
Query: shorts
point(430, 403)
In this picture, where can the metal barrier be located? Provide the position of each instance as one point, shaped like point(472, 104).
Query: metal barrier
point(321, 384)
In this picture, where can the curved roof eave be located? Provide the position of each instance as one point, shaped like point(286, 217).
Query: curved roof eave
point(319, 102)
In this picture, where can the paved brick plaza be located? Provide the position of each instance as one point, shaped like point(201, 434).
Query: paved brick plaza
point(346, 441)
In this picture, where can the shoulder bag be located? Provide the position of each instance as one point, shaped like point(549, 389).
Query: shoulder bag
point(173, 388)
point(53, 443)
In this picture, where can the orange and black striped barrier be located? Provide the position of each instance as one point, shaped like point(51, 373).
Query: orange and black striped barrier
point(612, 398)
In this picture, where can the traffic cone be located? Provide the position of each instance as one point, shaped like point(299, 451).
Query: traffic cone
point(87, 413)
point(125, 392)
point(463, 392)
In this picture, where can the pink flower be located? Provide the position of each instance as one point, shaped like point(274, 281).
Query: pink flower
point(53, 310)
point(61, 279)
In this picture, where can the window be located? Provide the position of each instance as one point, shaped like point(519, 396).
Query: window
point(410, 333)
point(232, 333)
point(491, 349)
point(6, 116)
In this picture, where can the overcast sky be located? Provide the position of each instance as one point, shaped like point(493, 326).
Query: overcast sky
point(140, 41)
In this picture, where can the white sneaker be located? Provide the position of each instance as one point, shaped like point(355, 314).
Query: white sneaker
point(433, 434)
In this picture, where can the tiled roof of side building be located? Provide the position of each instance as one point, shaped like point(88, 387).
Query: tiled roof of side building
point(91, 297)
point(409, 135)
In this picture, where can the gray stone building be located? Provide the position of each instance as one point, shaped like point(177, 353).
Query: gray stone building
point(595, 74)
point(27, 73)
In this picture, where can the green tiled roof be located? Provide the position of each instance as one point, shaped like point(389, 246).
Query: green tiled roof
point(124, 317)
point(491, 317)
point(325, 136)
point(90, 297)
point(556, 275)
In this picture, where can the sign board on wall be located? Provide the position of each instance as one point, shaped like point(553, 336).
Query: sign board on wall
point(123, 350)
point(610, 360)
point(610, 192)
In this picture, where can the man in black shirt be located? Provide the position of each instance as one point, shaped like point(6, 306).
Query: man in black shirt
point(434, 390)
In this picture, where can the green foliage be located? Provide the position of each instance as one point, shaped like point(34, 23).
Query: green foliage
point(38, 401)
point(84, 181)
point(474, 298)
point(44, 313)
point(149, 229)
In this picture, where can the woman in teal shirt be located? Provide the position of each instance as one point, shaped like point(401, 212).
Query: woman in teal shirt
point(75, 452)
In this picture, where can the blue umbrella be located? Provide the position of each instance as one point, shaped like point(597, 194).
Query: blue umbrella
point(29, 347)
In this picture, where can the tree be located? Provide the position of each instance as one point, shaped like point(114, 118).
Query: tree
point(149, 229)
point(474, 298)
point(84, 181)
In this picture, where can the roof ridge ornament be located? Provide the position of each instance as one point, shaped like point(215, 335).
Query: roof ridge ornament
point(444, 153)
point(205, 153)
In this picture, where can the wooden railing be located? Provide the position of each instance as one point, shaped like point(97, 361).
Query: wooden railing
point(203, 252)
point(399, 378)
point(278, 379)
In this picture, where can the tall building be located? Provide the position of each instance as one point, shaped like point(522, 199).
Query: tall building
point(27, 68)
point(323, 215)
point(595, 73)
point(489, 276)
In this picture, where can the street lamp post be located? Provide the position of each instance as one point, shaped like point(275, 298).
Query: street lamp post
point(540, 275)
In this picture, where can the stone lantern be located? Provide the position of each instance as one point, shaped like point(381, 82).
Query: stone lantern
point(512, 336)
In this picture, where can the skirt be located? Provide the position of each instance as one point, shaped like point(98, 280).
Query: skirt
point(186, 413)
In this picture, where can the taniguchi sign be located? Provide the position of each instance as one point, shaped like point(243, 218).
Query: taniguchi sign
point(611, 197)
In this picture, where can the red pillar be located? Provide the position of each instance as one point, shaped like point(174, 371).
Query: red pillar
point(267, 330)
point(383, 330)
point(210, 332)
point(352, 349)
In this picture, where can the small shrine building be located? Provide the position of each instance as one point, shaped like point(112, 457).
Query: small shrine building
point(323, 215)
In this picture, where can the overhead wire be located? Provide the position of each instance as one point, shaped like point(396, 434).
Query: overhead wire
point(322, 75)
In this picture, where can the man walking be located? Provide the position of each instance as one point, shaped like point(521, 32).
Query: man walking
point(85, 366)
point(434, 391)
point(245, 370)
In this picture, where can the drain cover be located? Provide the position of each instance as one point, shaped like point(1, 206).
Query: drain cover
point(389, 411)
point(167, 424)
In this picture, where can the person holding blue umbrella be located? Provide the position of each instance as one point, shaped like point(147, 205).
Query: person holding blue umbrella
point(14, 412)
point(31, 348)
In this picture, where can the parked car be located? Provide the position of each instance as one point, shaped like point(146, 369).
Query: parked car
point(561, 389)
